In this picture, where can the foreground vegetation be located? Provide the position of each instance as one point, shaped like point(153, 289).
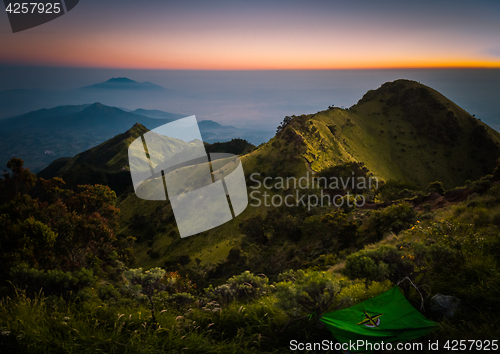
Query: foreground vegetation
point(69, 284)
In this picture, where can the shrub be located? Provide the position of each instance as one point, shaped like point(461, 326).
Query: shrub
point(181, 300)
point(335, 228)
point(51, 282)
point(436, 187)
point(360, 266)
point(245, 286)
point(283, 124)
point(107, 291)
point(394, 218)
point(346, 173)
point(150, 282)
point(359, 291)
point(480, 186)
point(304, 292)
point(332, 128)
point(285, 225)
point(496, 219)
point(394, 190)
point(395, 263)
point(256, 229)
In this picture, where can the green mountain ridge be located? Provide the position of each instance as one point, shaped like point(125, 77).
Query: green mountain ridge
point(105, 164)
point(402, 131)
point(108, 162)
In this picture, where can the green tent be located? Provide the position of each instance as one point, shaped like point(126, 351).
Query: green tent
point(386, 318)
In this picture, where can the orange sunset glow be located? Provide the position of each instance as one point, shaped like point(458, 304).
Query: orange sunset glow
point(260, 35)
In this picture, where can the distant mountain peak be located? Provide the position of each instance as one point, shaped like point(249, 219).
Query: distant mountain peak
point(96, 104)
point(136, 131)
point(99, 107)
point(121, 80)
point(403, 130)
point(210, 123)
point(124, 83)
point(429, 112)
point(396, 89)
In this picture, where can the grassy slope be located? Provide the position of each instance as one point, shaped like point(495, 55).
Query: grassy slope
point(403, 152)
point(393, 143)
point(159, 239)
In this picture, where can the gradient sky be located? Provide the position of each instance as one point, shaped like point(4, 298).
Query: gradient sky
point(267, 34)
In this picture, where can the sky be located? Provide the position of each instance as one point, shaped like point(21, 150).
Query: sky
point(255, 35)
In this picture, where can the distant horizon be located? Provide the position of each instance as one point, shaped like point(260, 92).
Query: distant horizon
point(130, 72)
point(246, 99)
